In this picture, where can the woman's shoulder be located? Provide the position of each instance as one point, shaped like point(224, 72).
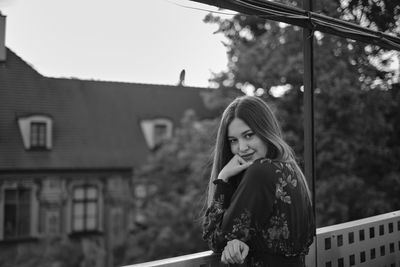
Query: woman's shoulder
point(264, 168)
point(279, 164)
point(266, 164)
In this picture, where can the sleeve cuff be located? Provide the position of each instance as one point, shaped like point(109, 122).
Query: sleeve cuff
point(223, 191)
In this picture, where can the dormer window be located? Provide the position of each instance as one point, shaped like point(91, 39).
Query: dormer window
point(36, 132)
point(38, 135)
point(160, 132)
point(156, 131)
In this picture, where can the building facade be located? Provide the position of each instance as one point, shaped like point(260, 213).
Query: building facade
point(68, 151)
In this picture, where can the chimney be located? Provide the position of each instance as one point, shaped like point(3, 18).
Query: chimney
point(3, 49)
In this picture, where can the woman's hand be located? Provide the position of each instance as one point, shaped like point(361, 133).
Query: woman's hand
point(234, 252)
point(233, 167)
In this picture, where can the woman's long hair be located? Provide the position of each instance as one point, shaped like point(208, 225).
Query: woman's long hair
point(261, 120)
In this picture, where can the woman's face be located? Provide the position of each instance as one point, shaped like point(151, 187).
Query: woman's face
point(244, 142)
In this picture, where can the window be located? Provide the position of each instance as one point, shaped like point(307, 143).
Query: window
point(156, 131)
point(85, 208)
point(17, 208)
point(160, 133)
point(36, 131)
point(38, 135)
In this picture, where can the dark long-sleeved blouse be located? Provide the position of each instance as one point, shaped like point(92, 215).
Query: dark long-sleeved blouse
point(267, 207)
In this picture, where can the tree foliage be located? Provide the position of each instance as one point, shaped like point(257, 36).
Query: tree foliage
point(357, 118)
point(266, 53)
point(47, 252)
point(173, 185)
point(355, 99)
point(170, 189)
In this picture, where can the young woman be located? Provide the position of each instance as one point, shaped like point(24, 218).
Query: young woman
point(259, 205)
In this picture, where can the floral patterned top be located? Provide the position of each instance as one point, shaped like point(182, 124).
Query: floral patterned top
point(266, 207)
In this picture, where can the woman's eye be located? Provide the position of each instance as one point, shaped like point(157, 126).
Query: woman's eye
point(232, 141)
point(248, 135)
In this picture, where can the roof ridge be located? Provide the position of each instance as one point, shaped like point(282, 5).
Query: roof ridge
point(123, 82)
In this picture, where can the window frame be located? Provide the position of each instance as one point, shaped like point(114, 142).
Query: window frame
point(38, 135)
point(85, 202)
point(26, 126)
point(33, 210)
point(149, 131)
point(70, 207)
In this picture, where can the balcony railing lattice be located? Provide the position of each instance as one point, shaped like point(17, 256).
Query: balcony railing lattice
point(369, 242)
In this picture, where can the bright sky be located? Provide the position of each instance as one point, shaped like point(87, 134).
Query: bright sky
point(139, 41)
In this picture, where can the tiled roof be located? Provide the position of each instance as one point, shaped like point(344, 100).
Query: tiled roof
point(95, 123)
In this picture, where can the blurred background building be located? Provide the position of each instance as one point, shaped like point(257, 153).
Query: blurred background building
point(68, 150)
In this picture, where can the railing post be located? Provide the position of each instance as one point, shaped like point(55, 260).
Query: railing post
point(308, 99)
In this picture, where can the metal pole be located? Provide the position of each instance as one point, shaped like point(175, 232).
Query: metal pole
point(308, 99)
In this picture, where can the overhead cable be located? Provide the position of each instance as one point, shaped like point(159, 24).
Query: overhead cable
point(307, 19)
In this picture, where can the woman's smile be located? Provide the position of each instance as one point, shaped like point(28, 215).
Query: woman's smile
point(244, 142)
point(248, 156)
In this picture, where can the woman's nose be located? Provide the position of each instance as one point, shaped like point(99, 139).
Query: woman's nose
point(243, 146)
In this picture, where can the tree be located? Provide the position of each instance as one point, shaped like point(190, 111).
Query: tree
point(266, 53)
point(355, 126)
point(46, 252)
point(170, 189)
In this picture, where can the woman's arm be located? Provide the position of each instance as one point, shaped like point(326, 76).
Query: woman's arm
point(212, 231)
point(237, 217)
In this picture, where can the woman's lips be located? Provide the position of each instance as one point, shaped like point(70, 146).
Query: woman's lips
point(247, 157)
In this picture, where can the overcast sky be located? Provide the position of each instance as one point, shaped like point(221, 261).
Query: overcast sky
point(140, 41)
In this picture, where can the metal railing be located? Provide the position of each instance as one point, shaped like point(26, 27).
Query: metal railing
point(372, 242)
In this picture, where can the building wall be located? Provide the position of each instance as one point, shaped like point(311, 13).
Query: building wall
point(51, 219)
